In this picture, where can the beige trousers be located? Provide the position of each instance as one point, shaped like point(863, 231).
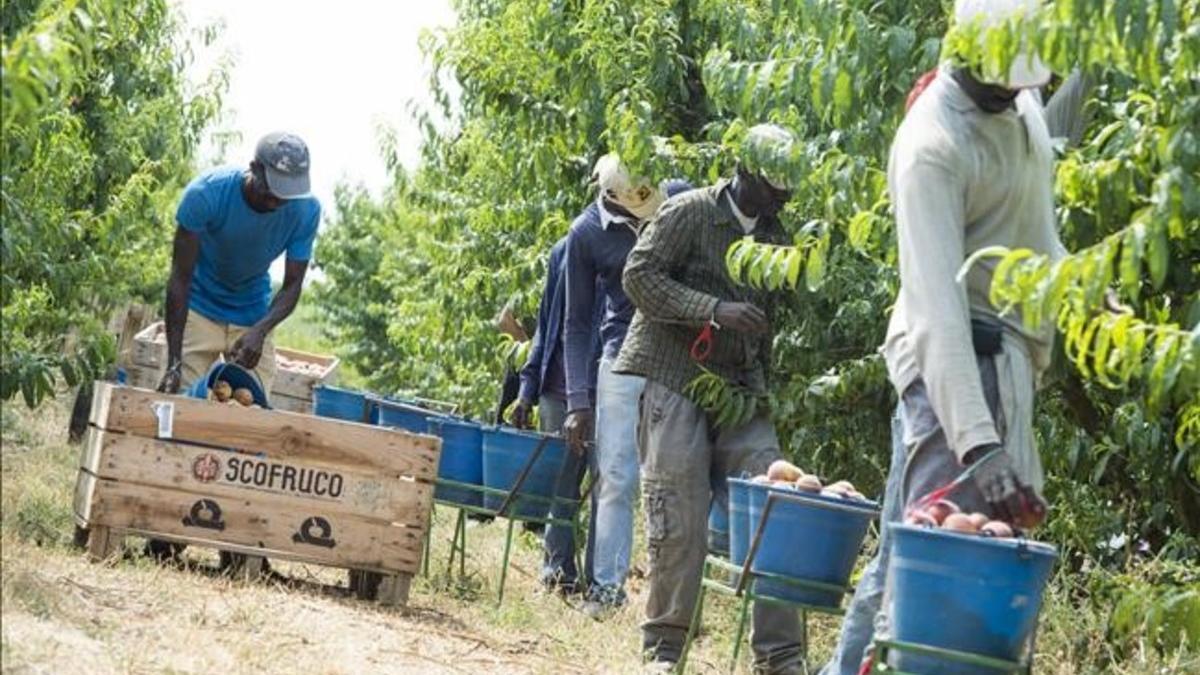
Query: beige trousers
point(205, 342)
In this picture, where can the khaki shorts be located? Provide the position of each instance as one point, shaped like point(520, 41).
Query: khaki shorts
point(205, 342)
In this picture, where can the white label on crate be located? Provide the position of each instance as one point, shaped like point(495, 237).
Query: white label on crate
point(165, 411)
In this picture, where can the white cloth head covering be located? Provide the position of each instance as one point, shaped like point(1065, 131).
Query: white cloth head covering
point(770, 140)
point(638, 196)
point(1027, 70)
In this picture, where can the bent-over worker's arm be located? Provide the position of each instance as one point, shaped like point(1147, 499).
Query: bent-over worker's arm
point(578, 321)
point(930, 225)
point(288, 296)
point(247, 350)
point(184, 252)
point(664, 245)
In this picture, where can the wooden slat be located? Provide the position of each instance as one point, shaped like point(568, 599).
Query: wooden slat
point(291, 403)
point(143, 377)
point(103, 543)
point(277, 434)
point(147, 350)
point(299, 384)
point(85, 487)
point(376, 496)
point(252, 525)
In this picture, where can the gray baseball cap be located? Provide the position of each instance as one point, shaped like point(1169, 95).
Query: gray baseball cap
point(285, 158)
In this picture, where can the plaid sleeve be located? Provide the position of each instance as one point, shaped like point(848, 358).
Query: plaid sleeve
point(664, 246)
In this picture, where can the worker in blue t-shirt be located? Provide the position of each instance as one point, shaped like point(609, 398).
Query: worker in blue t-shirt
point(232, 224)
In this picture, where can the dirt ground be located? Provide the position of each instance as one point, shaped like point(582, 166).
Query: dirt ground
point(73, 616)
point(61, 614)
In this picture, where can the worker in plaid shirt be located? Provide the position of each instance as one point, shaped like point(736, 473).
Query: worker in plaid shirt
point(677, 279)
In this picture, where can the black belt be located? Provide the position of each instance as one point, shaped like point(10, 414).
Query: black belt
point(987, 336)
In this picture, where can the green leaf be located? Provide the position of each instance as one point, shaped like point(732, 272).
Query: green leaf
point(1156, 256)
point(814, 270)
point(1132, 248)
point(794, 259)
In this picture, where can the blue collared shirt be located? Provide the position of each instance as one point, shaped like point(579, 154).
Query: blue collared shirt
point(597, 246)
point(544, 372)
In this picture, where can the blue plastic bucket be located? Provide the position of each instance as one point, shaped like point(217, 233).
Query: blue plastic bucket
point(462, 459)
point(505, 454)
point(405, 416)
point(813, 539)
point(966, 593)
point(237, 377)
point(739, 519)
point(343, 404)
point(718, 527)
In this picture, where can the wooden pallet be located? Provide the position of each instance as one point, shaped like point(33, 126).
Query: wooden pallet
point(261, 483)
point(296, 372)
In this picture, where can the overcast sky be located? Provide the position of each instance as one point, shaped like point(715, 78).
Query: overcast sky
point(328, 71)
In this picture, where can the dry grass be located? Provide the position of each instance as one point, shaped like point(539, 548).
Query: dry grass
point(62, 614)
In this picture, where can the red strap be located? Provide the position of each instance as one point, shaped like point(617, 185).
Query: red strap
point(702, 346)
point(918, 88)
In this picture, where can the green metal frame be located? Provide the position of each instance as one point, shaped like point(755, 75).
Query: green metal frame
point(458, 543)
point(749, 595)
point(882, 647)
point(744, 586)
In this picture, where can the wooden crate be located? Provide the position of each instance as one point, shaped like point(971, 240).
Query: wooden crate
point(256, 482)
point(149, 349)
point(296, 372)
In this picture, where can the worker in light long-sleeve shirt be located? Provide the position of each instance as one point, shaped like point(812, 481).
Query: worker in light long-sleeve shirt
point(677, 277)
point(597, 245)
point(1065, 123)
point(971, 167)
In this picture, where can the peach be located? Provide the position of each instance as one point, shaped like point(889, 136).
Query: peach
point(959, 522)
point(996, 528)
point(808, 483)
point(978, 519)
point(942, 508)
point(222, 391)
point(244, 396)
point(781, 469)
point(920, 518)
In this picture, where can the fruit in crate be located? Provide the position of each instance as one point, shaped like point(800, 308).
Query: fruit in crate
point(244, 396)
point(783, 470)
point(978, 520)
point(808, 483)
point(297, 366)
point(942, 508)
point(996, 528)
point(920, 518)
point(842, 488)
point(222, 391)
point(959, 522)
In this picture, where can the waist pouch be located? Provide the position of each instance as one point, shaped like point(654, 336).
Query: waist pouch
point(987, 337)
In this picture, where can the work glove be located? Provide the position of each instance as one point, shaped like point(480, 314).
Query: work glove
point(1011, 500)
point(578, 430)
point(521, 413)
point(170, 382)
point(741, 316)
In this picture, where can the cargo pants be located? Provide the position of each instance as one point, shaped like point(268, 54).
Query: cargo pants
point(679, 449)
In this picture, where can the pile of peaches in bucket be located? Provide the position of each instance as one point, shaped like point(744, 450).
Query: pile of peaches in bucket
point(784, 474)
point(946, 515)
